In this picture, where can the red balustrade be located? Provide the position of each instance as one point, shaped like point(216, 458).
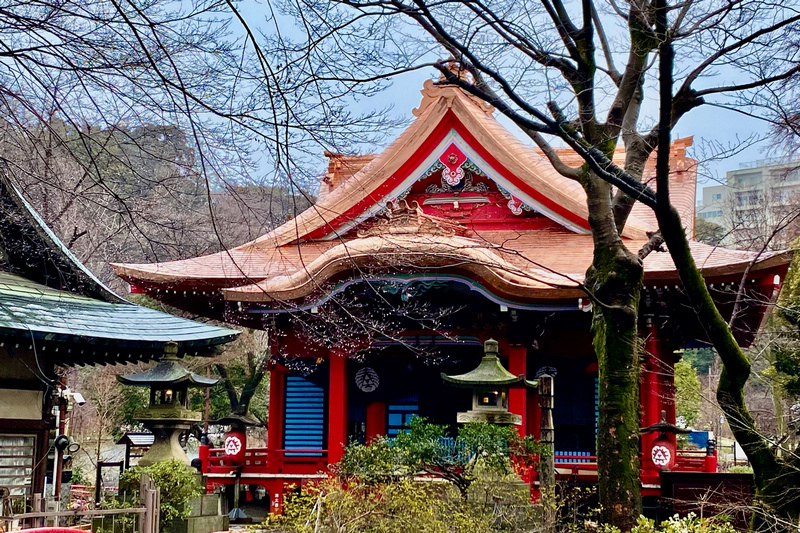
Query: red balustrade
point(268, 461)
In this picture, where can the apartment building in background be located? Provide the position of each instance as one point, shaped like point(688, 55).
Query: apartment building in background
point(757, 200)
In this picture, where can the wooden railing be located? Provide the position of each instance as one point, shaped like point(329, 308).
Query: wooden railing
point(267, 461)
point(145, 518)
point(573, 457)
point(583, 466)
point(690, 460)
point(312, 460)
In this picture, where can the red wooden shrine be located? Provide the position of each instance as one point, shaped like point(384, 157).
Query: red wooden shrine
point(409, 260)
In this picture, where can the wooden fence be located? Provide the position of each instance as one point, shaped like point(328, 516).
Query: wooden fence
point(145, 518)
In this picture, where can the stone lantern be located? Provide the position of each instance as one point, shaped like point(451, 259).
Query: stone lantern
point(489, 382)
point(168, 414)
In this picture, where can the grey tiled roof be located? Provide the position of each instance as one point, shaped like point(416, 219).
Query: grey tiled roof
point(26, 306)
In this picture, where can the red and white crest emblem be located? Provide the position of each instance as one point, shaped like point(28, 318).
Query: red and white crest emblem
point(232, 445)
point(661, 456)
point(453, 159)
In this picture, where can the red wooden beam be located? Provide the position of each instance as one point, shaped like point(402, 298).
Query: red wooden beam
point(518, 397)
point(337, 407)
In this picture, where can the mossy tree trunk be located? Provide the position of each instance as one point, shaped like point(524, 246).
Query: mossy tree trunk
point(614, 282)
point(777, 481)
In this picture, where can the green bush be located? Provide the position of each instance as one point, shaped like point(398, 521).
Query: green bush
point(393, 507)
point(689, 524)
point(377, 489)
point(79, 476)
point(425, 447)
point(177, 482)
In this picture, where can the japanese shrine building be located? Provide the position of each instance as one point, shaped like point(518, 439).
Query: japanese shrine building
point(410, 259)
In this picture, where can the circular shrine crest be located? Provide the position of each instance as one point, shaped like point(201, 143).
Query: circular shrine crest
point(367, 379)
point(661, 456)
point(233, 445)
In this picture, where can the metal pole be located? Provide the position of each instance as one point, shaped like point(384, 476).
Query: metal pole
point(97, 481)
point(62, 415)
point(207, 406)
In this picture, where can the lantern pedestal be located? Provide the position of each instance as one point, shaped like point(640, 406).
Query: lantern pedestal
point(166, 445)
point(490, 416)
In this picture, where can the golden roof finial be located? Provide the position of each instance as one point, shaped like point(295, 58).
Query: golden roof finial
point(455, 68)
point(432, 91)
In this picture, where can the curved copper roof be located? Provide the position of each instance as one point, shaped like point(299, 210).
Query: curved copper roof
point(293, 260)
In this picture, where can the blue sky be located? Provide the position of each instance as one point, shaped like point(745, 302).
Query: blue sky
point(708, 124)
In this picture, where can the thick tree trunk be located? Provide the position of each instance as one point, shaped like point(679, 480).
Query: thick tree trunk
point(776, 481)
point(614, 281)
point(616, 276)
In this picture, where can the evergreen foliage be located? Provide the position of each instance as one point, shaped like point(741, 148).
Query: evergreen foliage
point(687, 393)
point(426, 448)
point(177, 482)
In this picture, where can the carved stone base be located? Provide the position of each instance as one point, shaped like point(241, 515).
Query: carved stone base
point(166, 446)
point(500, 417)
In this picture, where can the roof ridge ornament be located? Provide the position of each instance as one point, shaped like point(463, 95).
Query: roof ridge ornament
point(455, 68)
point(433, 91)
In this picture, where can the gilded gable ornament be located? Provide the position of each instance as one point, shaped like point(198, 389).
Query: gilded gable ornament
point(514, 204)
point(453, 160)
point(402, 218)
point(466, 186)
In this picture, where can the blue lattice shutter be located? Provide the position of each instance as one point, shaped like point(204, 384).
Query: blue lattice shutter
point(304, 422)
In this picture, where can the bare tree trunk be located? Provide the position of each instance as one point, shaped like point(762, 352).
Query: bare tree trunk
point(775, 479)
point(614, 281)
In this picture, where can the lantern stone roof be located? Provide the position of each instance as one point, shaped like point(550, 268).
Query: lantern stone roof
point(662, 426)
point(489, 372)
point(234, 419)
point(488, 210)
point(168, 371)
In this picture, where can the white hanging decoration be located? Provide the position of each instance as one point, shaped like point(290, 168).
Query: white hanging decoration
point(367, 379)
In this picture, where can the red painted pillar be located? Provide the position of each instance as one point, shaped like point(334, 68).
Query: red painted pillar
point(651, 393)
point(376, 420)
point(337, 407)
point(276, 497)
point(518, 397)
point(277, 387)
point(535, 418)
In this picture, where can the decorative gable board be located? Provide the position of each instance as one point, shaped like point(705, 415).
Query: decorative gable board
point(455, 153)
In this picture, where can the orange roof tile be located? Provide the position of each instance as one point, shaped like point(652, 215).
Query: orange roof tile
point(290, 261)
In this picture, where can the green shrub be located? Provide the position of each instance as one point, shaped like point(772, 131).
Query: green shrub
point(425, 447)
point(177, 482)
point(79, 477)
point(397, 506)
point(689, 524)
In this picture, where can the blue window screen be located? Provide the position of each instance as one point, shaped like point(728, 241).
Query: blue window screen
point(304, 421)
point(398, 417)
